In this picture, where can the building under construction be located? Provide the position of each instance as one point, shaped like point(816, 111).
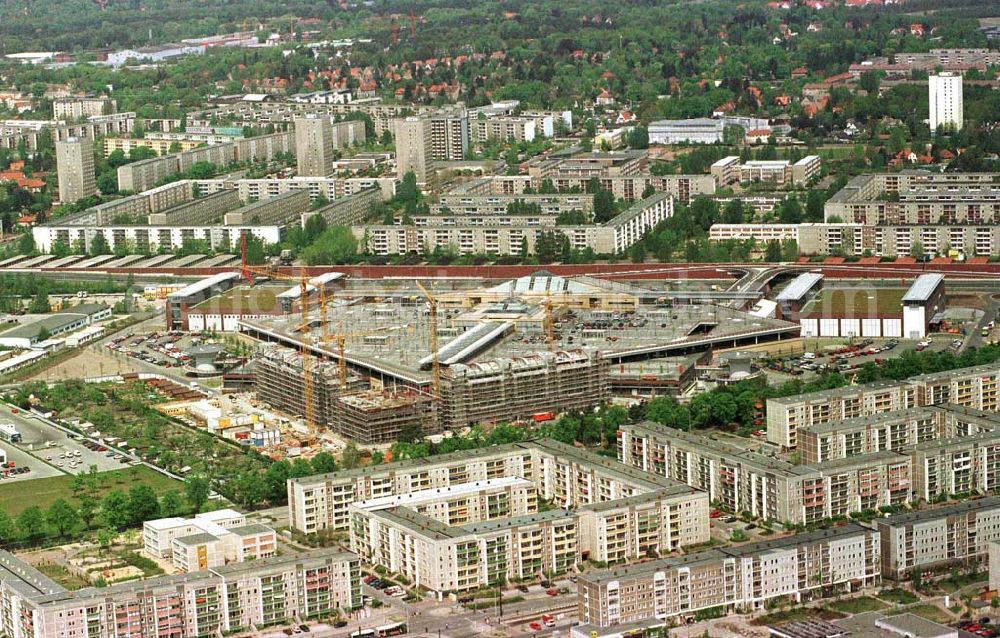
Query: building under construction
point(280, 383)
point(508, 389)
point(380, 417)
point(530, 348)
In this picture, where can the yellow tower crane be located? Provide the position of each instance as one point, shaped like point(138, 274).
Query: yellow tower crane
point(432, 305)
point(341, 340)
point(270, 272)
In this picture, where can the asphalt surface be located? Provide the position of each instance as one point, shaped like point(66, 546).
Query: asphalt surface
point(45, 442)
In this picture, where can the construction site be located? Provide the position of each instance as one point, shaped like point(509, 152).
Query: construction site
point(369, 359)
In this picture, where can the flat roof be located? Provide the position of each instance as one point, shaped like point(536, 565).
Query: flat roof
point(912, 625)
point(861, 422)
point(786, 542)
point(985, 503)
point(923, 287)
point(204, 284)
point(242, 300)
point(799, 286)
point(856, 302)
point(436, 493)
point(197, 539)
point(51, 323)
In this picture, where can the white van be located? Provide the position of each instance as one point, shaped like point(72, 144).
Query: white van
point(809, 355)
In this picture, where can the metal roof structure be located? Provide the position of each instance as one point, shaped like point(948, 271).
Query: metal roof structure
point(318, 280)
point(800, 286)
point(469, 342)
point(203, 285)
point(923, 287)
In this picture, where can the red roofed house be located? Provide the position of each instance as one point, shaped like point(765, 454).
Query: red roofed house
point(604, 98)
point(625, 117)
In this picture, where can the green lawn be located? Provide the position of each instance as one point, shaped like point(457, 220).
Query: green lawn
point(796, 614)
point(20, 495)
point(63, 576)
point(930, 612)
point(857, 605)
point(900, 596)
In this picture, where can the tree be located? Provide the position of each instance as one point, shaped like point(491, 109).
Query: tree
point(870, 81)
point(142, 504)
point(8, 531)
point(88, 509)
point(772, 251)
point(26, 244)
point(638, 137)
point(62, 517)
point(324, 462)
point(275, 477)
point(105, 537)
point(790, 211)
point(411, 433)
point(300, 468)
point(115, 510)
point(31, 523)
point(667, 411)
point(733, 212)
point(337, 245)
point(197, 489)
point(40, 303)
point(107, 183)
point(99, 245)
point(350, 458)
point(604, 205)
point(814, 205)
point(255, 252)
point(43, 334)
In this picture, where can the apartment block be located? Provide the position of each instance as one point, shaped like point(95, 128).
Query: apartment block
point(764, 486)
point(470, 534)
point(588, 165)
point(561, 474)
point(946, 101)
point(314, 146)
point(735, 579)
point(730, 170)
point(520, 236)
point(146, 174)
point(953, 213)
point(330, 188)
point(939, 538)
point(974, 387)
point(77, 108)
point(413, 137)
point(75, 165)
point(230, 598)
point(785, 415)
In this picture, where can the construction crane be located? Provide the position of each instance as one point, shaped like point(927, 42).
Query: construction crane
point(248, 272)
point(432, 305)
point(341, 340)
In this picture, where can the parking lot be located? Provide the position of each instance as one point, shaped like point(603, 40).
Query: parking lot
point(824, 355)
point(41, 441)
point(163, 349)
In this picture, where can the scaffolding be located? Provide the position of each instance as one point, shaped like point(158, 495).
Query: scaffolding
point(509, 389)
point(281, 383)
point(381, 417)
